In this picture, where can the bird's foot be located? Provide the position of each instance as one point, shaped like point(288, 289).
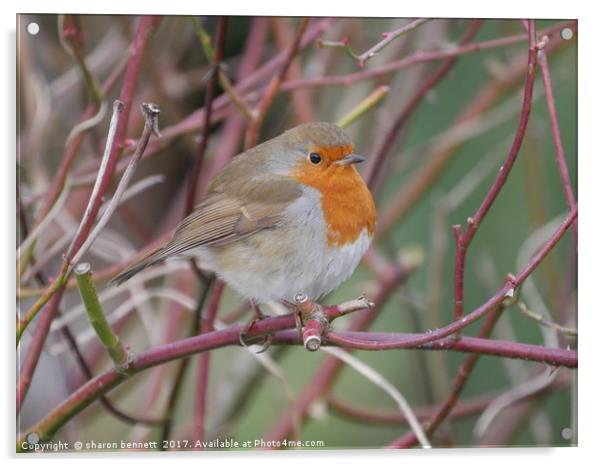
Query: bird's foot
point(247, 340)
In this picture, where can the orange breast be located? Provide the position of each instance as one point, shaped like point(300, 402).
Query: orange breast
point(347, 203)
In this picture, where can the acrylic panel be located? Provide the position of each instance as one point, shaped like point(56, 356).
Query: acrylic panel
point(440, 189)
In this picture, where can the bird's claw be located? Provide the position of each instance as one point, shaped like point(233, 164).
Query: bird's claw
point(246, 340)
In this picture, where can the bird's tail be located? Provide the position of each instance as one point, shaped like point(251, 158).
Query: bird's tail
point(153, 258)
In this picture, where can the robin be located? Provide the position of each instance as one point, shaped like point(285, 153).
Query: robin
point(291, 215)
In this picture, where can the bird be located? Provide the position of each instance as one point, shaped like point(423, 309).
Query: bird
point(289, 216)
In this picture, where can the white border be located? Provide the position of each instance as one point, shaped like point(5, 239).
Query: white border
point(590, 171)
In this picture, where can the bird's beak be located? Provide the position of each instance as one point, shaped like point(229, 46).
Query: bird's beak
point(351, 159)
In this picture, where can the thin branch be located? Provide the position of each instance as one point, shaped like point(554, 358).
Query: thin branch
point(463, 240)
point(87, 219)
point(389, 37)
point(563, 169)
point(204, 362)
point(384, 148)
point(151, 126)
point(70, 30)
point(374, 341)
point(224, 81)
point(273, 88)
point(546, 322)
point(367, 104)
point(209, 97)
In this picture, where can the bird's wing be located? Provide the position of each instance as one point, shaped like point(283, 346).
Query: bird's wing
point(231, 212)
point(223, 217)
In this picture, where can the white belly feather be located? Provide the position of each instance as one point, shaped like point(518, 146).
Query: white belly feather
point(327, 266)
point(307, 265)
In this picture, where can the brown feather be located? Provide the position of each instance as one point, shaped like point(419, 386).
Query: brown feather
point(230, 212)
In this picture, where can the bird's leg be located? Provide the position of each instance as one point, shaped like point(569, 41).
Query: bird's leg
point(244, 338)
point(299, 323)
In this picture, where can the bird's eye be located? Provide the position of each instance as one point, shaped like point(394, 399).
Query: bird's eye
point(315, 158)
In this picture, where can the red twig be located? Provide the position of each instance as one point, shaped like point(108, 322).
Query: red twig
point(130, 80)
point(59, 178)
point(220, 36)
point(375, 341)
point(463, 239)
point(301, 99)
point(377, 162)
point(208, 321)
point(563, 169)
point(233, 129)
point(274, 87)
point(388, 37)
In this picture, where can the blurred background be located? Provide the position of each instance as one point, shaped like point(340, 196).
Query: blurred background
point(435, 175)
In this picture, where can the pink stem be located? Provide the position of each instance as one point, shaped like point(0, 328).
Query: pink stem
point(273, 87)
point(204, 361)
point(563, 169)
point(193, 181)
point(233, 128)
point(463, 240)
